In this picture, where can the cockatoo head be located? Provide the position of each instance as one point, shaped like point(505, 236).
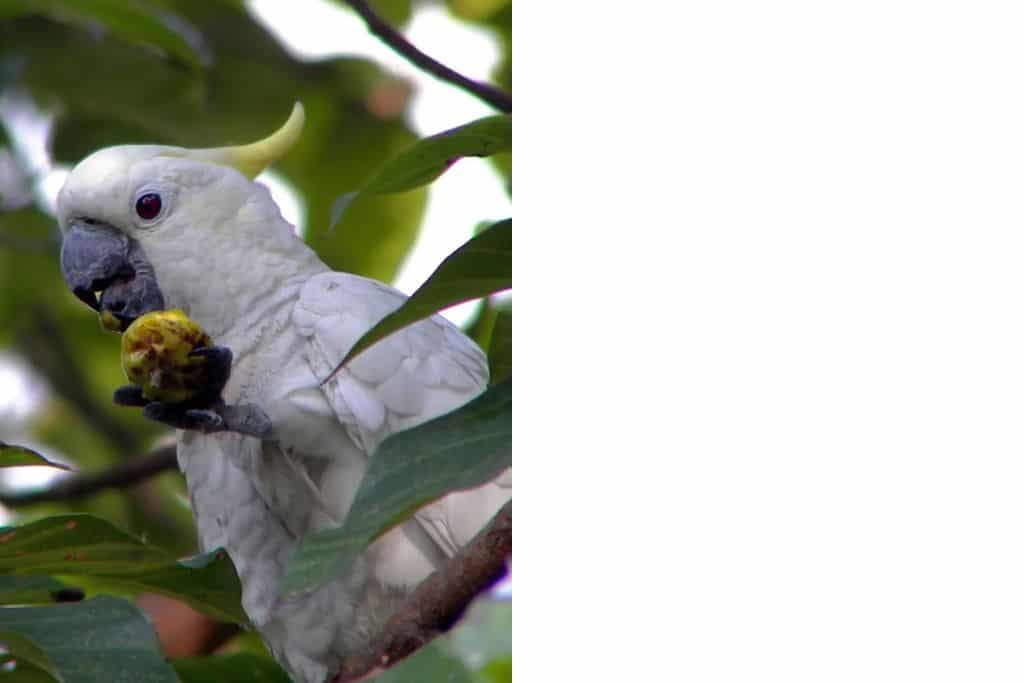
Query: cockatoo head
point(143, 224)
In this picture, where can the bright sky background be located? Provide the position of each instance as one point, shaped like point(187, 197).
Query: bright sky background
point(468, 193)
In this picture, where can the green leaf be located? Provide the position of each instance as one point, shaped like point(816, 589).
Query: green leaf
point(130, 20)
point(19, 456)
point(207, 582)
point(17, 650)
point(481, 266)
point(460, 450)
point(499, 353)
point(78, 544)
point(242, 667)
point(432, 156)
point(103, 640)
point(29, 590)
point(89, 546)
point(428, 158)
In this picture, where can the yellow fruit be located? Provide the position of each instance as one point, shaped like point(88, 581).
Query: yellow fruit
point(154, 355)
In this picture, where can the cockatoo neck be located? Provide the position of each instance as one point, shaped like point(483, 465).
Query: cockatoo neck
point(247, 266)
point(238, 309)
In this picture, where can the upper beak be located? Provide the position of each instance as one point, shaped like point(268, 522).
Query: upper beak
point(95, 257)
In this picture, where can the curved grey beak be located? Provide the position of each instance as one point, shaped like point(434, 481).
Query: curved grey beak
point(94, 257)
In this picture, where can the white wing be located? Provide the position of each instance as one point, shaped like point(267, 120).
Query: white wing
point(418, 373)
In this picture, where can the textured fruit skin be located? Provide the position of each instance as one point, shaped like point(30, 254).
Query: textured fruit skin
point(155, 356)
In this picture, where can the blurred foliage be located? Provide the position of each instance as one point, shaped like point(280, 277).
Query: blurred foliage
point(191, 73)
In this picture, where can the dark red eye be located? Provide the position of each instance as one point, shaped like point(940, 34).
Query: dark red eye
point(148, 206)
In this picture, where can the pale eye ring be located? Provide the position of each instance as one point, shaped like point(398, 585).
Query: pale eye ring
point(148, 206)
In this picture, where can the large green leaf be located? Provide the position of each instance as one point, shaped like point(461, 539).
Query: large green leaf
point(19, 456)
point(103, 640)
point(481, 266)
point(88, 546)
point(33, 590)
point(241, 667)
point(74, 544)
point(495, 16)
point(499, 352)
point(208, 582)
point(460, 450)
point(430, 157)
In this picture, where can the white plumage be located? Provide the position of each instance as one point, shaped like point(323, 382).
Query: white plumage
point(224, 255)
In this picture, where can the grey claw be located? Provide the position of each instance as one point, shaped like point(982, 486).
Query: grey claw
point(245, 419)
point(158, 411)
point(205, 421)
point(175, 416)
point(218, 361)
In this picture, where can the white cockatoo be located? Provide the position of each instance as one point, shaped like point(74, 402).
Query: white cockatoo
point(151, 227)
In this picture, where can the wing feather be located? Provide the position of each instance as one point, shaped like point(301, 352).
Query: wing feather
point(422, 371)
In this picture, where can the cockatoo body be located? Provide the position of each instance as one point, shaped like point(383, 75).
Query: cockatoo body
point(154, 227)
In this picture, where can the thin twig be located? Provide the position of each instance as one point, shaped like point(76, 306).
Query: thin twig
point(440, 600)
point(495, 97)
point(120, 476)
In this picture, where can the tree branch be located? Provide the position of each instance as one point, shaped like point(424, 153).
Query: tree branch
point(120, 476)
point(440, 600)
point(495, 97)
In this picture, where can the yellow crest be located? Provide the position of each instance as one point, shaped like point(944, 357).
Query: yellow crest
point(251, 159)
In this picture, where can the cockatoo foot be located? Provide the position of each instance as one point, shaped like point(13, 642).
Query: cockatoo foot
point(245, 418)
point(207, 412)
point(218, 368)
